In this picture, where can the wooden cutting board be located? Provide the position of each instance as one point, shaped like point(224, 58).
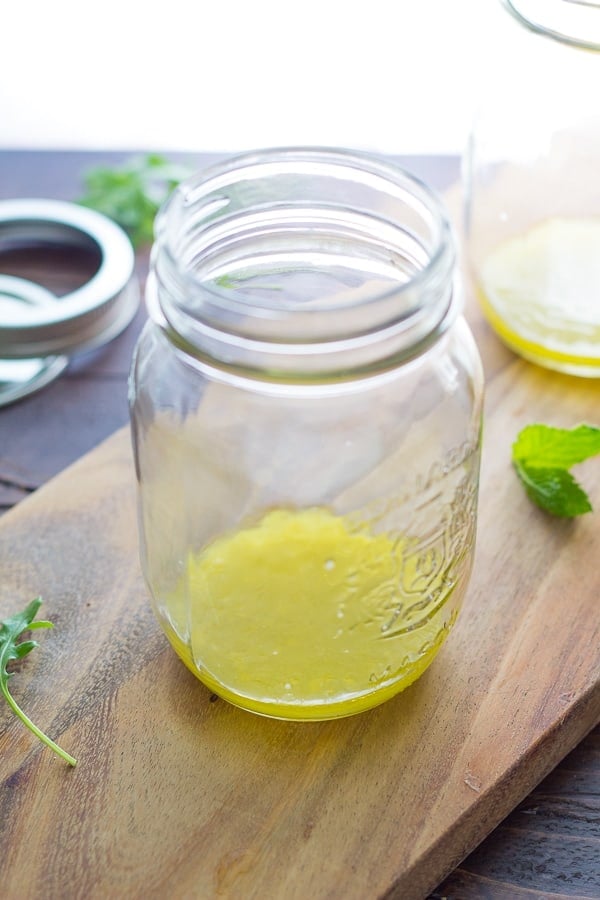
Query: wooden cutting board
point(179, 795)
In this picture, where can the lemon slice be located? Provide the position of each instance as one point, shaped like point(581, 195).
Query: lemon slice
point(541, 293)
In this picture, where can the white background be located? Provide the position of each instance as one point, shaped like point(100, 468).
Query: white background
point(230, 75)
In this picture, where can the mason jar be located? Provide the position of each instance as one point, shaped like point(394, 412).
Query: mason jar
point(532, 183)
point(306, 408)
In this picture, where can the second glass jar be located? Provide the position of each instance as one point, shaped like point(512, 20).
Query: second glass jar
point(306, 411)
point(533, 192)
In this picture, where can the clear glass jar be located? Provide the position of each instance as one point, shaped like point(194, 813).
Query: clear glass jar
point(306, 406)
point(532, 185)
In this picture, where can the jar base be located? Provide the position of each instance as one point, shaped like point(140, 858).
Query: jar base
point(582, 367)
point(312, 711)
point(567, 367)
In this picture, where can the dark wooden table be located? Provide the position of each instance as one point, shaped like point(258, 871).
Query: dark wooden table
point(549, 846)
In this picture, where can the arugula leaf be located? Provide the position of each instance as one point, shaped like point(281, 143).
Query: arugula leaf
point(10, 630)
point(132, 194)
point(542, 456)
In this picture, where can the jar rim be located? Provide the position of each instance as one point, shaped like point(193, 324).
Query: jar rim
point(575, 23)
point(208, 211)
point(369, 163)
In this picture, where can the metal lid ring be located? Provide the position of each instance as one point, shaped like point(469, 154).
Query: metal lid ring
point(20, 377)
point(92, 314)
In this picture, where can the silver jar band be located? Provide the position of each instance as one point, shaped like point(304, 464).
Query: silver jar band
point(20, 377)
point(92, 314)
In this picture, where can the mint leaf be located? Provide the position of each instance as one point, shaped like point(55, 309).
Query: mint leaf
point(542, 456)
point(12, 649)
point(554, 490)
point(561, 447)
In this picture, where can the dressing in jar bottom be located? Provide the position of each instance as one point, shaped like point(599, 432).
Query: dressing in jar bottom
point(305, 615)
point(540, 291)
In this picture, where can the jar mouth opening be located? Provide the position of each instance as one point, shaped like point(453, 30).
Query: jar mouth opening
point(304, 260)
point(214, 230)
point(572, 22)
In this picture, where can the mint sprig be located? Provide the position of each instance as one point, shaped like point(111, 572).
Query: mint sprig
point(542, 456)
point(12, 649)
point(132, 193)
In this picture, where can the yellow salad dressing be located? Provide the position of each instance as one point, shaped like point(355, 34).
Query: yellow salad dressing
point(541, 293)
point(305, 615)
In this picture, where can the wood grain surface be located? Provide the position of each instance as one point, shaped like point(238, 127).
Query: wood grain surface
point(179, 795)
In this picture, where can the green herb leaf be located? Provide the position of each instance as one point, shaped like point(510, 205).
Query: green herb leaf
point(542, 456)
point(560, 447)
point(132, 194)
point(554, 490)
point(235, 281)
point(10, 649)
